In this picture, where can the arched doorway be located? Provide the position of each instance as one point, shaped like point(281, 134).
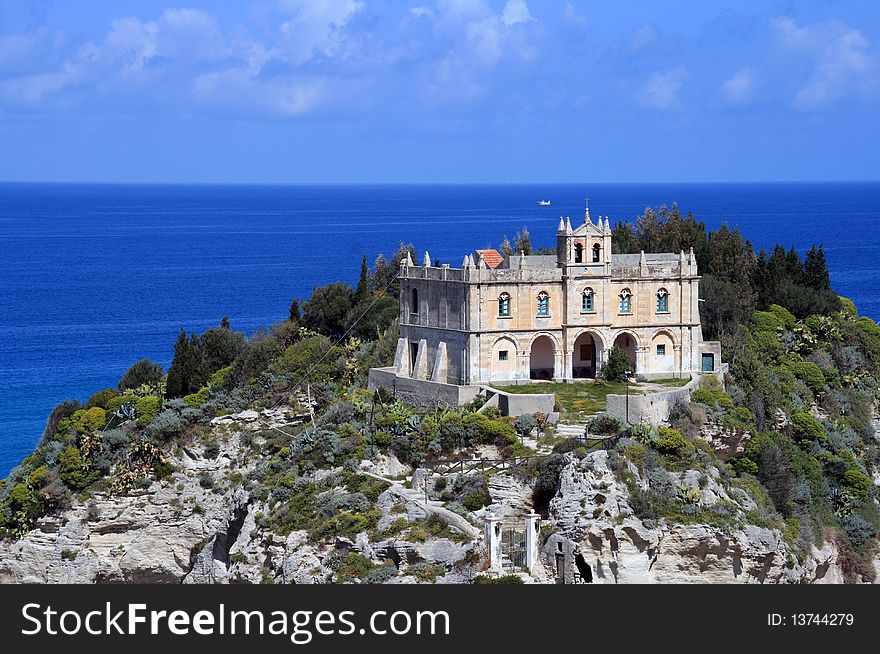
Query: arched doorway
point(585, 356)
point(627, 343)
point(542, 358)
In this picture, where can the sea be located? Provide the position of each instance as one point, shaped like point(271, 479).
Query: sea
point(94, 277)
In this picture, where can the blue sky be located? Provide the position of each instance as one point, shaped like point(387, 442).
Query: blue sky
point(438, 91)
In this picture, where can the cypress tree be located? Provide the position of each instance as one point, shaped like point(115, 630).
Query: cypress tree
point(816, 273)
point(794, 265)
point(363, 287)
point(176, 384)
point(295, 314)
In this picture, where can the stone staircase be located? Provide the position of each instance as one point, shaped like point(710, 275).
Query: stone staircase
point(570, 430)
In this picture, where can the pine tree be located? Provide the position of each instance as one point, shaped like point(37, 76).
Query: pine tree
point(816, 273)
point(506, 247)
point(224, 323)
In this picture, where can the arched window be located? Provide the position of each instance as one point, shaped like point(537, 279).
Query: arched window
point(662, 301)
point(543, 305)
point(587, 305)
point(414, 306)
point(597, 252)
point(625, 304)
point(504, 305)
point(578, 253)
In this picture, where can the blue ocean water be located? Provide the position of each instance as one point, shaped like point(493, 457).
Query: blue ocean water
point(94, 277)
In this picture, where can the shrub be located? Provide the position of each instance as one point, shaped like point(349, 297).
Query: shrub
point(745, 466)
point(474, 501)
point(806, 427)
point(147, 409)
point(524, 424)
point(616, 367)
point(165, 426)
point(784, 315)
point(195, 400)
point(101, 398)
point(483, 580)
point(766, 321)
point(354, 566)
point(425, 572)
point(858, 483)
point(602, 423)
point(810, 374)
point(857, 529)
point(713, 397)
point(671, 441)
point(380, 574)
point(73, 470)
point(140, 373)
point(87, 420)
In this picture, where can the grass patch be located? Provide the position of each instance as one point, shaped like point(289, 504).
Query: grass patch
point(577, 400)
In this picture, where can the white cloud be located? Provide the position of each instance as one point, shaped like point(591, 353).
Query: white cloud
point(663, 89)
point(515, 12)
point(739, 89)
point(839, 61)
point(421, 12)
point(315, 28)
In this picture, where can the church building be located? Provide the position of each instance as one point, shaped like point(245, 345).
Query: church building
point(537, 317)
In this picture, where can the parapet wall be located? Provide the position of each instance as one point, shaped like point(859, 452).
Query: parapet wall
point(652, 408)
point(421, 392)
point(517, 404)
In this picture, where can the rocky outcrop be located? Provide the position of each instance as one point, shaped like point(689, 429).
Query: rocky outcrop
point(602, 539)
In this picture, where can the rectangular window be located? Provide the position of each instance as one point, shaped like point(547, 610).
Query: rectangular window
point(708, 362)
point(587, 302)
point(502, 355)
point(543, 305)
point(661, 350)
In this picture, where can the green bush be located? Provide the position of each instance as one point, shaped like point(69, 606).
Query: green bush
point(483, 580)
point(616, 367)
point(114, 403)
point(712, 397)
point(354, 566)
point(195, 400)
point(101, 398)
point(88, 420)
point(425, 572)
point(766, 321)
point(147, 408)
point(809, 373)
point(858, 483)
point(140, 373)
point(604, 424)
point(73, 470)
point(848, 307)
point(671, 441)
point(784, 315)
point(806, 427)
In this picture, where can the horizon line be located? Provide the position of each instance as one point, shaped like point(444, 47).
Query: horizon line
point(411, 183)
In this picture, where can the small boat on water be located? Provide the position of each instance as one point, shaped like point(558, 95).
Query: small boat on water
point(544, 203)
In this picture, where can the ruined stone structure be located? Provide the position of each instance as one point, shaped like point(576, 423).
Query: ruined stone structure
point(520, 318)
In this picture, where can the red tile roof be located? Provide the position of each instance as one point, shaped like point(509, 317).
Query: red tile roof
point(492, 258)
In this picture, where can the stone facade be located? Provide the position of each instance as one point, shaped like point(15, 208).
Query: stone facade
point(552, 317)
